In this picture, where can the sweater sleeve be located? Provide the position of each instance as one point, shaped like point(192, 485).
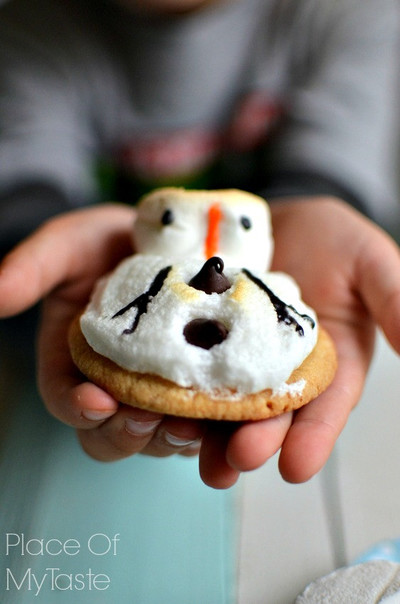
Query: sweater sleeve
point(340, 135)
point(45, 142)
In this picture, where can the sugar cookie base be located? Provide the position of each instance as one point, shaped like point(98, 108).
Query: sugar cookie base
point(160, 395)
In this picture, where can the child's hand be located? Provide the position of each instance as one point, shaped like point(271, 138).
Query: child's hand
point(349, 272)
point(60, 263)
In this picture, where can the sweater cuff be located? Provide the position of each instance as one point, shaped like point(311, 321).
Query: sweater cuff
point(292, 184)
point(25, 207)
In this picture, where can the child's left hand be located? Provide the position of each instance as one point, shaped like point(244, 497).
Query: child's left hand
point(349, 272)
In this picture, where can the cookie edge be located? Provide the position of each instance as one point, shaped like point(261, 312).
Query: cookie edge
point(157, 394)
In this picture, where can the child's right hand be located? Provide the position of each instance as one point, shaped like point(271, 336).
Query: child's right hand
point(60, 262)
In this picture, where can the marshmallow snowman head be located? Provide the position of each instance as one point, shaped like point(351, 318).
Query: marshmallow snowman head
point(179, 224)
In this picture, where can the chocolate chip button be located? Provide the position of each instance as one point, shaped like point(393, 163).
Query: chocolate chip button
point(211, 279)
point(205, 333)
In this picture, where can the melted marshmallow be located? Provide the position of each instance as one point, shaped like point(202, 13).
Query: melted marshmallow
point(259, 352)
point(152, 316)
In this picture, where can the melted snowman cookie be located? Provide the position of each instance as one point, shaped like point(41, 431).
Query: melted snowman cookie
point(194, 324)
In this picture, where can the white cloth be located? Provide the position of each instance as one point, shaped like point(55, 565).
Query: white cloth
point(369, 583)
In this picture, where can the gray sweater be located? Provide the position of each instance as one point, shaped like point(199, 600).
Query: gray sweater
point(277, 96)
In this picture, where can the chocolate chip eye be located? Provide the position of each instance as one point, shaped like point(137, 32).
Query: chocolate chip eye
point(167, 218)
point(245, 222)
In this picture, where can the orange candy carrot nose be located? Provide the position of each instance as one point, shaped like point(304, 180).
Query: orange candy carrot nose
point(212, 239)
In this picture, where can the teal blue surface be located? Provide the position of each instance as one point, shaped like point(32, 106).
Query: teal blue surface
point(388, 549)
point(150, 527)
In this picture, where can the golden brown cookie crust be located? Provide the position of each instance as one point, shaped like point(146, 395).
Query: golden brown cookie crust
point(158, 394)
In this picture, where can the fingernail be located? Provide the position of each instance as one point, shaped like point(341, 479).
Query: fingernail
point(140, 428)
point(177, 441)
point(194, 446)
point(96, 415)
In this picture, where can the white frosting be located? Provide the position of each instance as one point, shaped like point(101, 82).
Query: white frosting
point(173, 228)
point(259, 352)
point(293, 389)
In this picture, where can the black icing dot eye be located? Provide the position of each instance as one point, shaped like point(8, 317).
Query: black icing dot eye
point(167, 218)
point(245, 222)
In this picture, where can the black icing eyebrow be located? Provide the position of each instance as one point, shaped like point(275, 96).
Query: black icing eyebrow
point(167, 217)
